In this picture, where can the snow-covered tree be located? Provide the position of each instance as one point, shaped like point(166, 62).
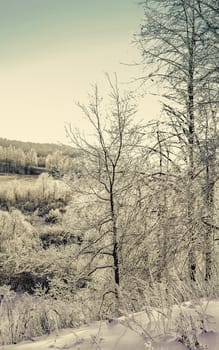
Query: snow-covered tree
point(109, 162)
point(179, 53)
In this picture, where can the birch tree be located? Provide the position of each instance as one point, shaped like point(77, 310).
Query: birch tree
point(179, 51)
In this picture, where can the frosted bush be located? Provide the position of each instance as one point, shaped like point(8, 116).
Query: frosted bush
point(54, 216)
point(23, 316)
point(31, 194)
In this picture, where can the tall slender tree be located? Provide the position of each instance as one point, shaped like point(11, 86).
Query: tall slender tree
point(179, 51)
point(109, 158)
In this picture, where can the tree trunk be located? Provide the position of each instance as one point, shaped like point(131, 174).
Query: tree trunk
point(115, 251)
point(191, 135)
point(209, 233)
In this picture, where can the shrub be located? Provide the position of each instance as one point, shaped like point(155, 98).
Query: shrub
point(54, 216)
point(23, 316)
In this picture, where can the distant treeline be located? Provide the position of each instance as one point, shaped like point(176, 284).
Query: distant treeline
point(29, 158)
point(41, 149)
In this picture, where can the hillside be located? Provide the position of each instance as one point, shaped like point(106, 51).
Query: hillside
point(42, 149)
point(28, 158)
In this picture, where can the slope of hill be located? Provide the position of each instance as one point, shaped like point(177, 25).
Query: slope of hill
point(42, 149)
point(27, 158)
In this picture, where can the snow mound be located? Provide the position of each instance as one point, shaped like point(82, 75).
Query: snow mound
point(140, 331)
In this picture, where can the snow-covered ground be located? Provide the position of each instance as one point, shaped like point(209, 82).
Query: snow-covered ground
point(152, 330)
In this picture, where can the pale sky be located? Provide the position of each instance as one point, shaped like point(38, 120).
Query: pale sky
point(51, 51)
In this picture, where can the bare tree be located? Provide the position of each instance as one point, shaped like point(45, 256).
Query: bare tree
point(180, 54)
point(109, 171)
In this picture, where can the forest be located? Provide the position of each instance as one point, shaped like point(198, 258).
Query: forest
point(26, 158)
point(127, 220)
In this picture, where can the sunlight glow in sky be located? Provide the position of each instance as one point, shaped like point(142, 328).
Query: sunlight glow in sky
point(51, 51)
